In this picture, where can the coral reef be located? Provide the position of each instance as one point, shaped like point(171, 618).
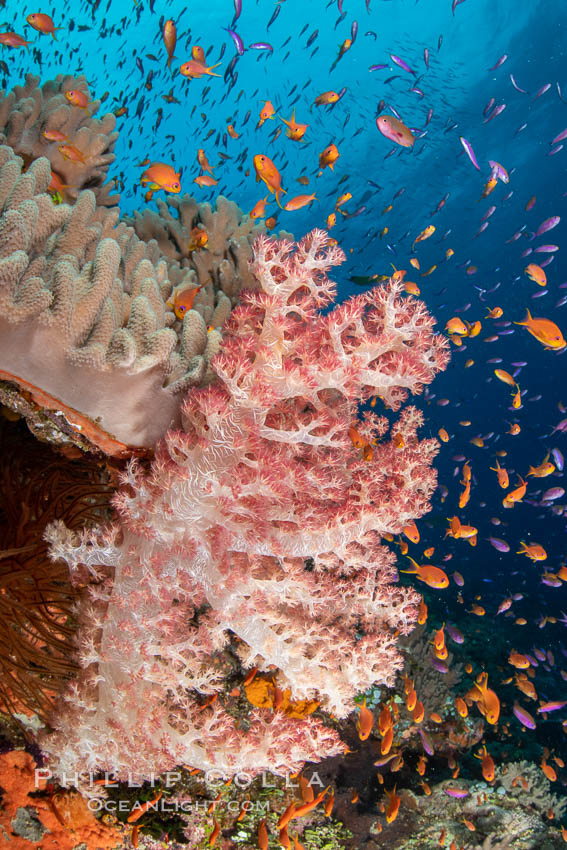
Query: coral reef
point(84, 327)
point(28, 111)
point(257, 531)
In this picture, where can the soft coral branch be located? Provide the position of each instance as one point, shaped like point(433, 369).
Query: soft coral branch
point(259, 524)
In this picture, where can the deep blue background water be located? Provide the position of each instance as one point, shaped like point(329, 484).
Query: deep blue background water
point(105, 44)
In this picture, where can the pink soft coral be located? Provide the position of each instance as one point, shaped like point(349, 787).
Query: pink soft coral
point(258, 524)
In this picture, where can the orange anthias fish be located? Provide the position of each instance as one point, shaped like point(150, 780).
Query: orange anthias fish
point(194, 69)
point(365, 722)
point(54, 136)
point(205, 180)
point(393, 805)
point(494, 313)
point(488, 771)
point(259, 209)
point(267, 171)
point(267, 111)
point(42, 23)
point(299, 201)
point(411, 531)
point(425, 234)
point(430, 575)
point(161, 176)
point(521, 662)
point(395, 130)
point(170, 40)
point(295, 131)
point(182, 299)
point(71, 153)
point(456, 326)
point(545, 331)
point(515, 495)
point(326, 98)
point(232, 132)
point(203, 161)
point(534, 551)
point(502, 475)
point(12, 39)
point(77, 98)
point(199, 238)
point(487, 700)
point(543, 470)
point(328, 157)
point(536, 273)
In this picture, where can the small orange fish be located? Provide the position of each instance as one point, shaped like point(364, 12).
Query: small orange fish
point(79, 98)
point(328, 157)
point(12, 39)
point(536, 273)
point(543, 470)
point(504, 376)
point(170, 40)
point(326, 98)
point(393, 805)
point(161, 176)
point(422, 613)
point(461, 707)
point(365, 722)
point(203, 161)
point(42, 23)
point(299, 201)
point(183, 300)
point(488, 699)
point(515, 495)
point(456, 326)
point(198, 54)
point(71, 153)
point(259, 209)
point(194, 69)
point(411, 531)
point(205, 181)
point(533, 551)
point(443, 435)
point(545, 331)
point(141, 809)
point(271, 223)
point(494, 313)
point(267, 112)
point(232, 132)
point(430, 575)
point(502, 475)
point(489, 187)
point(269, 174)
point(331, 220)
point(54, 136)
point(517, 660)
point(294, 131)
point(425, 234)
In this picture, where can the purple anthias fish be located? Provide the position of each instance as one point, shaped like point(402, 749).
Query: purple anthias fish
point(238, 43)
point(439, 665)
point(261, 45)
point(546, 249)
point(377, 67)
point(458, 793)
point(551, 706)
point(547, 225)
point(524, 716)
point(516, 86)
point(402, 64)
point(499, 63)
point(454, 633)
point(552, 494)
point(427, 742)
point(558, 458)
point(499, 545)
point(560, 137)
point(469, 151)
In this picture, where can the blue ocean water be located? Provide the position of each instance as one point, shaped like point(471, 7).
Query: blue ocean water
point(110, 41)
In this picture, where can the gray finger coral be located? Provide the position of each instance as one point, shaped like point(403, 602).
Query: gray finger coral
point(29, 111)
point(84, 326)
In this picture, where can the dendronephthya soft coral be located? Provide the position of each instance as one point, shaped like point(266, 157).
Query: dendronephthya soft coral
point(259, 526)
